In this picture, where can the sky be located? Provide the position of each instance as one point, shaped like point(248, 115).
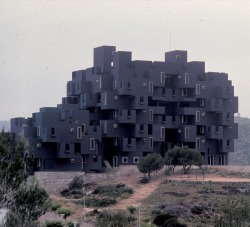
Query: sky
point(42, 42)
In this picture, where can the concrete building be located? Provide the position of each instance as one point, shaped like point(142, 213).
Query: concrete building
point(120, 110)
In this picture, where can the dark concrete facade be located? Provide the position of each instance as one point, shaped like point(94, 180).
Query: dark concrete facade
point(120, 110)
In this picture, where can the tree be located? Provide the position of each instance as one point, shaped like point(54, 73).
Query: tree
point(150, 163)
point(183, 156)
point(14, 167)
point(30, 203)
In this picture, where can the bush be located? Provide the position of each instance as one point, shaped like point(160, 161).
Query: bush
point(113, 191)
point(65, 211)
point(144, 180)
point(173, 222)
point(100, 202)
point(55, 206)
point(65, 192)
point(76, 183)
point(53, 223)
point(162, 218)
point(108, 219)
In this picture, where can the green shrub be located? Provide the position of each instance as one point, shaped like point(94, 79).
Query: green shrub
point(65, 192)
point(76, 183)
point(100, 202)
point(53, 223)
point(162, 218)
point(113, 191)
point(65, 211)
point(55, 206)
point(109, 219)
point(144, 180)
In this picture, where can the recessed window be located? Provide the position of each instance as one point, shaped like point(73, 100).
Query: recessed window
point(95, 158)
point(151, 115)
point(184, 119)
point(198, 89)
point(151, 87)
point(141, 128)
point(184, 92)
point(198, 143)
point(162, 77)
point(186, 132)
point(38, 131)
point(162, 132)
point(151, 142)
point(83, 128)
point(173, 92)
point(114, 85)
point(67, 147)
point(100, 82)
point(79, 133)
point(129, 85)
point(114, 114)
point(135, 159)
point(141, 99)
point(228, 143)
point(84, 158)
point(198, 116)
point(186, 78)
point(124, 160)
point(105, 99)
point(38, 162)
point(92, 144)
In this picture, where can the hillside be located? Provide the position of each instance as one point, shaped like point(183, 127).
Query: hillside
point(5, 125)
point(242, 145)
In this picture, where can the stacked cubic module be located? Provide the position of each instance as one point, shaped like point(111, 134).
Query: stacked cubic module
point(120, 110)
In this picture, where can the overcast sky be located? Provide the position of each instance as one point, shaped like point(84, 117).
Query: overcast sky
point(42, 42)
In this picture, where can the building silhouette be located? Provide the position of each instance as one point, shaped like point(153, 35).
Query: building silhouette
point(120, 110)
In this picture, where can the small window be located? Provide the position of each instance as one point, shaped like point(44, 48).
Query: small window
point(83, 128)
point(124, 160)
point(151, 142)
point(141, 128)
point(141, 99)
point(228, 143)
point(151, 87)
point(162, 132)
point(84, 158)
point(72, 160)
point(186, 78)
point(184, 92)
point(129, 85)
point(114, 114)
point(38, 162)
point(53, 132)
point(173, 119)
point(151, 115)
point(105, 98)
point(95, 158)
point(135, 160)
point(92, 144)
point(228, 116)
point(162, 77)
point(184, 118)
point(173, 92)
point(38, 131)
point(67, 147)
point(129, 114)
point(129, 142)
point(79, 133)
point(198, 143)
point(198, 89)
point(186, 132)
point(114, 85)
point(198, 116)
point(202, 102)
point(100, 82)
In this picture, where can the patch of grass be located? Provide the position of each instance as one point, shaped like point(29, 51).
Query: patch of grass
point(113, 191)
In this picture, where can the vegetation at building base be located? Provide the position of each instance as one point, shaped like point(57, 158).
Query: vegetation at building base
point(99, 196)
point(184, 156)
point(151, 163)
point(25, 202)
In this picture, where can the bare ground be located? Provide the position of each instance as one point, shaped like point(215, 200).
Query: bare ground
point(130, 176)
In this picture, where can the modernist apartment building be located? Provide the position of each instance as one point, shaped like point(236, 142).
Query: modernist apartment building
point(120, 110)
